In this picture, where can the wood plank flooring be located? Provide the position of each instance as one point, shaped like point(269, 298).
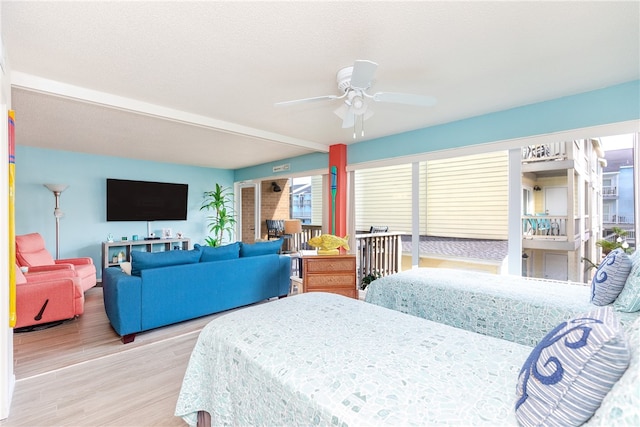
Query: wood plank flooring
point(80, 374)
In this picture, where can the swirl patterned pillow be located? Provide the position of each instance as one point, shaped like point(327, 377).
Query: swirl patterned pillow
point(610, 278)
point(570, 371)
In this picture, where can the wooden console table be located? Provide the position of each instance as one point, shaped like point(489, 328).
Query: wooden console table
point(330, 273)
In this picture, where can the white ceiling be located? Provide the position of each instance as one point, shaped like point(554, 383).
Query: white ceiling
point(195, 82)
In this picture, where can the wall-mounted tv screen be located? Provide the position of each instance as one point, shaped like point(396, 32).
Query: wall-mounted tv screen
point(146, 201)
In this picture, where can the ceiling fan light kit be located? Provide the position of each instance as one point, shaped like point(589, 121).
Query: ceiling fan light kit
point(353, 82)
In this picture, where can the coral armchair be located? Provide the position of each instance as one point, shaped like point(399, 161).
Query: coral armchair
point(31, 252)
point(47, 296)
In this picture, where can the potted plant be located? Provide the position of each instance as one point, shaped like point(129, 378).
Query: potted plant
point(366, 280)
point(609, 245)
point(222, 218)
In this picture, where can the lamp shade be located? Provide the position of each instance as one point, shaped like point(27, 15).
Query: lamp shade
point(59, 188)
point(292, 226)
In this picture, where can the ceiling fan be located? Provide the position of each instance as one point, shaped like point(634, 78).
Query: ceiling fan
point(353, 83)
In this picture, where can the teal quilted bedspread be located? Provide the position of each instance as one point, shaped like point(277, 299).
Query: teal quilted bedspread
point(513, 308)
point(324, 359)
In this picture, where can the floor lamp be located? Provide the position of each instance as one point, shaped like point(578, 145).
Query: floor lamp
point(57, 189)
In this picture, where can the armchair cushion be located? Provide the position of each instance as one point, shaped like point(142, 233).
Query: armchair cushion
point(31, 252)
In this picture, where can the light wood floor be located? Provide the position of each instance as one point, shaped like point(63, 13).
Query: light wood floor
point(80, 374)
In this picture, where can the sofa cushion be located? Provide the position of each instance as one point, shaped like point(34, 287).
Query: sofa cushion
point(610, 278)
point(570, 371)
point(261, 248)
point(210, 253)
point(144, 260)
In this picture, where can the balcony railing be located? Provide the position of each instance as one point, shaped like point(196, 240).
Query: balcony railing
point(544, 227)
point(616, 219)
point(544, 152)
point(610, 191)
point(378, 254)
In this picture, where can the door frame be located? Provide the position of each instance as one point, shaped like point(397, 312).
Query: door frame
point(239, 186)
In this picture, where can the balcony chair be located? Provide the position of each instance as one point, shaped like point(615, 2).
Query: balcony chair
point(43, 297)
point(378, 229)
point(31, 252)
point(275, 228)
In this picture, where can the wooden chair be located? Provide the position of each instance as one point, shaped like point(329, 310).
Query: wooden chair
point(275, 228)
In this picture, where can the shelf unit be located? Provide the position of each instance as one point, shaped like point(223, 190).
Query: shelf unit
point(109, 249)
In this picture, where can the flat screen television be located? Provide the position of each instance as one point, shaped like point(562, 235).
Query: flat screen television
point(129, 200)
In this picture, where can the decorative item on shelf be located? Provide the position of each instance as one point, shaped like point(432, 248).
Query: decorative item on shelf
point(328, 244)
point(152, 235)
point(134, 237)
point(121, 257)
point(114, 259)
point(124, 238)
point(110, 238)
point(179, 234)
point(167, 233)
point(292, 227)
point(57, 189)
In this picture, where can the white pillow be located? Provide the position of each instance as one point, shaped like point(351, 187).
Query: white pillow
point(126, 268)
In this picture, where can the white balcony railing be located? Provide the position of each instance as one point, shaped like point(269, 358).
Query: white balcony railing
point(378, 254)
point(544, 152)
point(544, 227)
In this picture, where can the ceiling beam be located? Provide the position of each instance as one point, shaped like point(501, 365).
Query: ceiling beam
point(51, 87)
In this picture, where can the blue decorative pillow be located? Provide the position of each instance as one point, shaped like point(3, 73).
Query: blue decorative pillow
point(610, 278)
point(629, 298)
point(260, 248)
point(571, 370)
point(144, 260)
point(218, 253)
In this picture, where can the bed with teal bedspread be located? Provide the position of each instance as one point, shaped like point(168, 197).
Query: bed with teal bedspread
point(518, 309)
point(324, 359)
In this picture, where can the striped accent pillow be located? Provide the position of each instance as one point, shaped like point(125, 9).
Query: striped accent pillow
point(629, 298)
point(571, 370)
point(610, 278)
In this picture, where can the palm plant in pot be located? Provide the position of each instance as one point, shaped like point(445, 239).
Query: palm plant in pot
point(222, 218)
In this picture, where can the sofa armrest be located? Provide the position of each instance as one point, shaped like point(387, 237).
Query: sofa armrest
point(284, 275)
point(122, 300)
point(75, 261)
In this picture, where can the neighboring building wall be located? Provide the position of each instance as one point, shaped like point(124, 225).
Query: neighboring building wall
point(316, 200)
point(625, 194)
point(383, 198)
point(468, 196)
point(465, 197)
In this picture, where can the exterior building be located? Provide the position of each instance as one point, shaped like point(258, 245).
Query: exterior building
point(466, 199)
point(562, 199)
point(617, 193)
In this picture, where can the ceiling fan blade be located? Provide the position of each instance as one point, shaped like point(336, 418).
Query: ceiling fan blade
point(304, 100)
point(405, 98)
point(363, 72)
point(349, 119)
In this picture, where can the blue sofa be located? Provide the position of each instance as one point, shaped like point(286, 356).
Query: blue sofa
point(169, 287)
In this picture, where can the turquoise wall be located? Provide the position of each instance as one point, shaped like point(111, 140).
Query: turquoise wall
point(84, 227)
point(613, 104)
